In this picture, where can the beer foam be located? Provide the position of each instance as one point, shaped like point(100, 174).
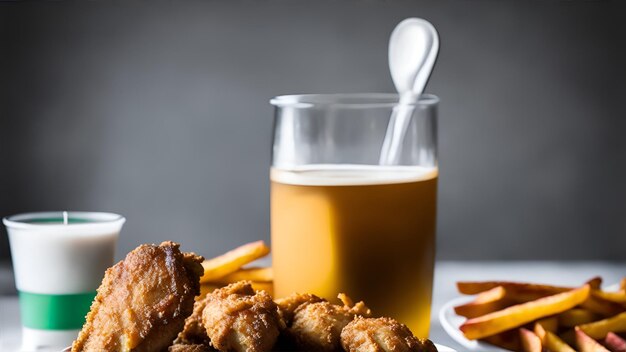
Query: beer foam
point(351, 175)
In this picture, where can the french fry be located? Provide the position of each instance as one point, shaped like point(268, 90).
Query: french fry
point(473, 310)
point(231, 261)
point(576, 316)
point(617, 297)
point(476, 287)
point(530, 341)
point(595, 283)
point(603, 303)
point(502, 307)
point(550, 323)
point(490, 295)
point(614, 342)
point(550, 341)
point(251, 274)
point(540, 331)
point(524, 313)
point(601, 306)
point(486, 302)
point(599, 329)
point(509, 340)
point(555, 344)
point(520, 291)
point(586, 343)
point(527, 293)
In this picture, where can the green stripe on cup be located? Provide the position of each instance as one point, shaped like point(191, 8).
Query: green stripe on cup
point(54, 312)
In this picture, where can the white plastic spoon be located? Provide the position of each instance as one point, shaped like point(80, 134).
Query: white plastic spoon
point(413, 49)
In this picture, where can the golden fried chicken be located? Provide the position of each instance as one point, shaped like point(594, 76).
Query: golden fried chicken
point(143, 301)
point(194, 332)
point(317, 326)
point(190, 348)
point(237, 318)
point(381, 335)
point(288, 305)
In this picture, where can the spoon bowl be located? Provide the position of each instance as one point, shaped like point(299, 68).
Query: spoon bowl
point(413, 50)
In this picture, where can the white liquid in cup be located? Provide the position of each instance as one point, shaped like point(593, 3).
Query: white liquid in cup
point(56, 262)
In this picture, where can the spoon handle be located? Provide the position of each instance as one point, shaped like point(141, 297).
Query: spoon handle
point(396, 130)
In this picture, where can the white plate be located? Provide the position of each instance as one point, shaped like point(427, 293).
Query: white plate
point(442, 348)
point(451, 322)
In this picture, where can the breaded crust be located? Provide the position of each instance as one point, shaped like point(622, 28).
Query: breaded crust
point(287, 306)
point(190, 348)
point(194, 331)
point(143, 301)
point(237, 318)
point(317, 326)
point(381, 335)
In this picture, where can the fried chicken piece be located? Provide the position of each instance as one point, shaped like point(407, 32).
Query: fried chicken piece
point(143, 301)
point(317, 326)
point(428, 346)
point(288, 305)
point(237, 318)
point(381, 335)
point(189, 348)
point(194, 332)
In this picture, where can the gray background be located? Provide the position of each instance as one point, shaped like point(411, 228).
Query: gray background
point(159, 111)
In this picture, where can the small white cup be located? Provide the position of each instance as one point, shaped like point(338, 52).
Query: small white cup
point(58, 267)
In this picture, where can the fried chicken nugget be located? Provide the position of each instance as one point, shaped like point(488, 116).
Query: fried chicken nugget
point(381, 335)
point(317, 326)
point(189, 348)
point(288, 305)
point(143, 301)
point(237, 318)
point(194, 332)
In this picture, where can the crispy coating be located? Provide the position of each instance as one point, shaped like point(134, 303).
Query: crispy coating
point(317, 326)
point(381, 335)
point(190, 348)
point(143, 301)
point(288, 305)
point(194, 332)
point(428, 346)
point(237, 318)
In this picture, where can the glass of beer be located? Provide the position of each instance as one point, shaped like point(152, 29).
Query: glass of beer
point(344, 218)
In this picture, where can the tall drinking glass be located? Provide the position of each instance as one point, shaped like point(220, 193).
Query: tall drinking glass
point(341, 221)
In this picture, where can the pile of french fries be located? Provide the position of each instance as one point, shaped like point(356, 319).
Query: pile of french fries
point(538, 318)
point(230, 267)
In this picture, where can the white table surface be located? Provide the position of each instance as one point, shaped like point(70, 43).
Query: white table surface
point(446, 274)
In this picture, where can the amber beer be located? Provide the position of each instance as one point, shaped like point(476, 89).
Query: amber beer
point(365, 231)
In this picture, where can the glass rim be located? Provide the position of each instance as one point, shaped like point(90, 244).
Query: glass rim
point(349, 100)
point(94, 219)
